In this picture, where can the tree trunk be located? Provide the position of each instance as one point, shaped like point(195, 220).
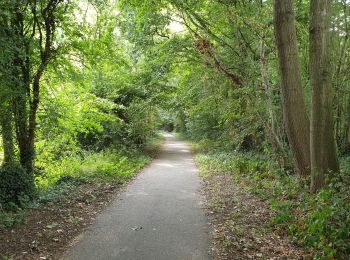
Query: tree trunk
point(323, 147)
point(21, 71)
point(345, 136)
point(20, 104)
point(7, 134)
point(294, 110)
point(21, 122)
point(273, 129)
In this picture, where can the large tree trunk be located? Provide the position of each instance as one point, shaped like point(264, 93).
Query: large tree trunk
point(294, 109)
point(323, 148)
point(21, 123)
point(7, 134)
point(21, 94)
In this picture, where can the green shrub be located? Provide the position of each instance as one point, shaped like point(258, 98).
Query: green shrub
point(10, 219)
point(109, 164)
point(284, 212)
point(16, 186)
point(326, 222)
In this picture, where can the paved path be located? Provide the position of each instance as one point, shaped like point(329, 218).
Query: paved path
point(158, 217)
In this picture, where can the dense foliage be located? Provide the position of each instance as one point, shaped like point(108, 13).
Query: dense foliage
point(86, 85)
point(96, 112)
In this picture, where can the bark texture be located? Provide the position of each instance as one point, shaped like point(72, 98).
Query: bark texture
point(323, 147)
point(7, 135)
point(294, 109)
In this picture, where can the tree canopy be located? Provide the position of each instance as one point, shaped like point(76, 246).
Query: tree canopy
point(254, 79)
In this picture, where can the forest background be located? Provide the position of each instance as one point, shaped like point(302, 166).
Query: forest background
point(261, 88)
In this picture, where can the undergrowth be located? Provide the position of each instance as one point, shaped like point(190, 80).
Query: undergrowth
point(319, 222)
point(111, 165)
point(59, 177)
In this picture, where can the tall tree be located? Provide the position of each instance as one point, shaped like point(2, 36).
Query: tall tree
point(6, 58)
point(42, 19)
point(323, 147)
point(294, 108)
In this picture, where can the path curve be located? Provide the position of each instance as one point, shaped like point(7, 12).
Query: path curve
point(159, 216)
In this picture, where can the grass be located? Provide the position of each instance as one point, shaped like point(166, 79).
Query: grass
point(319, 222)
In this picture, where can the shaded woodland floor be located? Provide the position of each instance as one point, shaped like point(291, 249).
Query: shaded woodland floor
point(240, 223)
point(47, 231)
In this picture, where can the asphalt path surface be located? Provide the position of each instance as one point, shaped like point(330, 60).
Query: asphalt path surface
point(159, 216)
